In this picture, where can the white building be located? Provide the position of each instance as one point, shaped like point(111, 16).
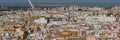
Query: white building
point(41, 20)
point(100, 18)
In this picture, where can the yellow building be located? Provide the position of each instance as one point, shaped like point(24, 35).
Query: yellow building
point(13, 30)
point(54, 15)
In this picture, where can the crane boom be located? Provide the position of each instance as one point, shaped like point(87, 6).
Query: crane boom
point(31, 4)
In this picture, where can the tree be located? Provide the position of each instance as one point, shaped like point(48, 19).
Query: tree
point(109, 14)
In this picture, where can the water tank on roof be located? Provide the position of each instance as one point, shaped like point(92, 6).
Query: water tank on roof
point(5, 35)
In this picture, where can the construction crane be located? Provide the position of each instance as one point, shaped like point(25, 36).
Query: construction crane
point(31, 4)
point(31, 11)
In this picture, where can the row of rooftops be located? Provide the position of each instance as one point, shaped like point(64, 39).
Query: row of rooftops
point(58, 24)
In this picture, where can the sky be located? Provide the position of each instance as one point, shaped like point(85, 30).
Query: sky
point(51, 2)
point(61, 1)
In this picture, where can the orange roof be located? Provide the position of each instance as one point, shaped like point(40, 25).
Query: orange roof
point(66, 33)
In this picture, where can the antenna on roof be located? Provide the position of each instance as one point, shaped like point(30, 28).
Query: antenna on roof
point(31, 4)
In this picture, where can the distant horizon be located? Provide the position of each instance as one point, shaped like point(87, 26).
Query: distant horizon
point(99, 3)
point(61, 4)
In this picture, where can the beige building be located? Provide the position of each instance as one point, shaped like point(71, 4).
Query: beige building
point(92, 37)
point(13, 30)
